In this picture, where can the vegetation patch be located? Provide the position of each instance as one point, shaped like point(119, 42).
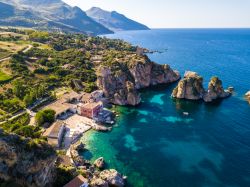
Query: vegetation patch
point(4, 77)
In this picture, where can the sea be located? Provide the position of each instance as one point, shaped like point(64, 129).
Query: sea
point(155, 144)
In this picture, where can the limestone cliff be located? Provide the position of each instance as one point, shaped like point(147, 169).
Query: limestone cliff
point(215, 90)
point(121, 80)
point(191, 87)
point(247, 96)
point(27, 162)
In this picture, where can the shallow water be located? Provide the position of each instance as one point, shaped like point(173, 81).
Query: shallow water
point(155, 145)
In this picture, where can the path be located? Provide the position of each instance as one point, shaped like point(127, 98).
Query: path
point(24, 51)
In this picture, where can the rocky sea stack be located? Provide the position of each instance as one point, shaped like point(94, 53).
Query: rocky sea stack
point(191, 87)
point(121, 81)
point(247, 96)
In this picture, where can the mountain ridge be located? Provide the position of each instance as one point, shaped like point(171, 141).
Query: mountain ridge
point(46, 14)
point(114, 20)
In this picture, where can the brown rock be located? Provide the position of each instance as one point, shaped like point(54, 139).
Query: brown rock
point(113, 178)
point(99, 163)
point(121, 81)
point(190, 87)
point(215, 90)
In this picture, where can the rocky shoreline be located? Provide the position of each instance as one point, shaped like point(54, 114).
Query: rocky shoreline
point(96, 173)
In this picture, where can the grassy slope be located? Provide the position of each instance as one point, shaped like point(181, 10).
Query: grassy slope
point(4, 77)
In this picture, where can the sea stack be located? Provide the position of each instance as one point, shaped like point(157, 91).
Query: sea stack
point(215, 90)
point(191, 88)
point(247, 96)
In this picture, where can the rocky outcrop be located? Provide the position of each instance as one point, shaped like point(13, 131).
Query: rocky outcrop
point(215, 90)
point(99, 163)
point(247, 96)
point(25, 161)
point(98, 182)
point(191, 87)
point(121, 81)
point(113, 178)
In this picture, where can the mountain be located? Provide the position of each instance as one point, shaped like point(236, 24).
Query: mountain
point(48, 14)
point(114, 21)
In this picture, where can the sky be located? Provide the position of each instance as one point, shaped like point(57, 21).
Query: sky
point(178, 13)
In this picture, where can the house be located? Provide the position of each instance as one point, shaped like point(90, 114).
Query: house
point(71, 97)
point(90, 110)
point(78, 181)
point(61, 108)
point(64, 105)
point(86, 98)
point(55, 133)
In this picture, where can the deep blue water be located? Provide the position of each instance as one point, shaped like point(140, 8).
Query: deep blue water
point(155, 145)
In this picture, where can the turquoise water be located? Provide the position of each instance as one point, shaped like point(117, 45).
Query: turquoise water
point(155, 145)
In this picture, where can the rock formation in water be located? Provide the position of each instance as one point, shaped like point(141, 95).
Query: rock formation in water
point(247, 96)
point(121, 80)
point(215, 90)
point(108, 178)
point(99, 163)
point(25, 161)
point(113, 178)
point(191, 87)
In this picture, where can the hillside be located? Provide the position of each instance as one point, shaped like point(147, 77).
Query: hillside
point(114, 21)
point(52, 15)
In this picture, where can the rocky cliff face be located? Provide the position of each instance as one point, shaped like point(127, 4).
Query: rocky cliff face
point(215, 90)
point(247, 96)
point(26, 162)
point(191, 87)
point(121, 81)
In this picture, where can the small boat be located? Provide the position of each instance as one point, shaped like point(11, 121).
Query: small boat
point(185, 113)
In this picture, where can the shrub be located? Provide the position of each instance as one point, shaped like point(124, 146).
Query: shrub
point(45, 116)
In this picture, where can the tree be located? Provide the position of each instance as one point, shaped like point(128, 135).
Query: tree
point(28, 100)
point(45, 116)
point(19, 89)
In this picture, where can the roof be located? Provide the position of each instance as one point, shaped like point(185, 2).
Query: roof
point(71, 95)
point(92, 105)
point(59, 106)
point(86, 97)
point(54, 130)
point(76, 182)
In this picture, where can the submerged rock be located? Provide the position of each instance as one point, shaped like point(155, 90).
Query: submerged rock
point(191, 87)
point(121, 80)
